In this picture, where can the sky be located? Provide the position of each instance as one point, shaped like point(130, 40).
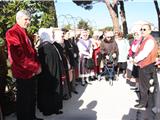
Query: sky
point(98, 16)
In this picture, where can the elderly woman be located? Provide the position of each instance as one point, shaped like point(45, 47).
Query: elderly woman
point(85, 47)
point(59, 43)
point(49, 96)
point(109, 52)
point(109, 45)
point(97, 37)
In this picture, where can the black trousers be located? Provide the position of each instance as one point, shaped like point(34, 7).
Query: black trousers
point(26, 98)
point(2, 94)
point(145, 74)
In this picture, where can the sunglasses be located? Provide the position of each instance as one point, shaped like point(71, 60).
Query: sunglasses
point(143, 29)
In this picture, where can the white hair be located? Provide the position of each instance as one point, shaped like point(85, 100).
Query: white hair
point(22, 13)
point(46, 34)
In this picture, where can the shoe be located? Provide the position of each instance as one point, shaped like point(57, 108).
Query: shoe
point(135, 88)
point(99, 77)
point(91, 78)
point(88, 83)
point(75, 92)
point(140, 106)
point(123, 76)
point(155, 110)
point(38, 118)
point(95, 78)
point(65, 97)
point(59, 112)
point(45, 114)
point(83, 84)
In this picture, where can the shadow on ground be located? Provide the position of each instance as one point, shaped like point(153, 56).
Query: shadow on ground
point(80, 114)
point(142, 114)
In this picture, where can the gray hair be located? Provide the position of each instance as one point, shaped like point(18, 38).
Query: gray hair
point(22, 13)
point(46, 34)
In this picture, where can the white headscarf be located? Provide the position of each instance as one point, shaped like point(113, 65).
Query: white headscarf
point(59, 36)
point(46, 34)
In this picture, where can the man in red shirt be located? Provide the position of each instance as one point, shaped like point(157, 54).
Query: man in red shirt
point(145, 58)
point(24, 66)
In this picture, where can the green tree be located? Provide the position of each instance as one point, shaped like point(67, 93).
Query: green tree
point(48, 17)
point(112, 8)
point(43, 15)
point(68, 26)
point(84, 25)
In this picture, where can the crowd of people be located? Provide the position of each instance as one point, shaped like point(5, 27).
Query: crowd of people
point(48, 73)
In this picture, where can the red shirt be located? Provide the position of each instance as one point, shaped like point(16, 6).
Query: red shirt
point(21, 53)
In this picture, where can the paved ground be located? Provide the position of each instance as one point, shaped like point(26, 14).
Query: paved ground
point(100, 101)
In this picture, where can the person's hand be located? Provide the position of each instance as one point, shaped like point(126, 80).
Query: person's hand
point(90, 55)
point(107, 57)
point(39, 71)
point(114, 55)
point(97, 56)
point(63, 77)
point(75, 55)
point(134, 62)
point(130, 59)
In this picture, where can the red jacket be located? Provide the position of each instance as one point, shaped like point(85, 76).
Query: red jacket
point(21, 53)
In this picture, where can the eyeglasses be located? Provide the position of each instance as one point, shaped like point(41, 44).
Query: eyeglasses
point(109, 37)
point(143, 29)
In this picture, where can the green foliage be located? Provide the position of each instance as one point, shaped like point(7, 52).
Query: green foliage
point(43, 14)
point(1, 42)
point(108, 28)
point(68, 27)
point(84, 25)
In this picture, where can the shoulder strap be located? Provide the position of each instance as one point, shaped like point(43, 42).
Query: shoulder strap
point(87, 47)
point(57, 52)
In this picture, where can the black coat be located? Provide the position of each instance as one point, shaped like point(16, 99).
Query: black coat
point(72, 52)
point(49, 84)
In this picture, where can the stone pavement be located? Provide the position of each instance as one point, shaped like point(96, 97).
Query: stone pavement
point(100, 101)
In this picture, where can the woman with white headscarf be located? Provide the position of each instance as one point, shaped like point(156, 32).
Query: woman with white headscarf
point(49, 96)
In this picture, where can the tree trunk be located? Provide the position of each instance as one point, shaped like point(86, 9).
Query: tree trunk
point(158, 14)
point(123, 18)
point(113, 13)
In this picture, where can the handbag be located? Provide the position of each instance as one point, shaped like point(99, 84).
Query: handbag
point(89, 63)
